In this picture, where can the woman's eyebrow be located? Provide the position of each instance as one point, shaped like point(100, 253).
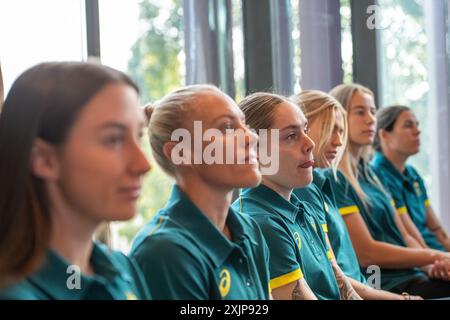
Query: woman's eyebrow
point(291, 127)
point(228, 116)
point(113, 125)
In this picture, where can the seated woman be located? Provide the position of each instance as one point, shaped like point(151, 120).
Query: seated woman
point(328, 129)
point(398, 138)
point(378, 235)
point(300, 265)
point(70, 159)
point(197, 247)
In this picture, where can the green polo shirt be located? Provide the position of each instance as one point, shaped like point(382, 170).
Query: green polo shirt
point(184, 256)
point(116, 277)
point(378, 216)
point(295, 238)
point(321, 196)
point(409, 193)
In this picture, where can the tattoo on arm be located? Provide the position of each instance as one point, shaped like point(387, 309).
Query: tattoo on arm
point(298, 293)
point(345, 287)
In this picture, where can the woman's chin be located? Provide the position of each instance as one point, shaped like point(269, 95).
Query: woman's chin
point(250, 180)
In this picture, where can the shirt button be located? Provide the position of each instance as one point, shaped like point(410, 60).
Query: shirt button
point(248, 283)
point(241, 261)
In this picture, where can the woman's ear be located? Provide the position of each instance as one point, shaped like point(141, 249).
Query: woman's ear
point(44, 161)
point(177, 153)
point(382, 135)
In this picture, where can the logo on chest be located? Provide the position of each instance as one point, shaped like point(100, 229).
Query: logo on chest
point(225, 282)
point(417, 189)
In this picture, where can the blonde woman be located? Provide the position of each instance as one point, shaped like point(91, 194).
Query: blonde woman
point(378, 235)
point(328, 129)
point(197, 247)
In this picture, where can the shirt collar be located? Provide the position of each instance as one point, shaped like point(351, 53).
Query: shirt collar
point(53, 276)
point(263, 194)
point(186, 214)
point(408, 177)
point(319, 178)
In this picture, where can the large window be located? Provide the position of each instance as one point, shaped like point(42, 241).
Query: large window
point(145, 39)
point(36, 31)
point(147, 43)
point(295, 25)
point(403, 66)
point(238, 50)
point(347, 41)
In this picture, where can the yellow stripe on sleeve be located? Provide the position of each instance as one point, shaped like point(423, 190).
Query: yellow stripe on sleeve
point(325, 228)
point(348, 210)
point(427, 203)
point(401, 211)
point(329, 255)
point(286, 279)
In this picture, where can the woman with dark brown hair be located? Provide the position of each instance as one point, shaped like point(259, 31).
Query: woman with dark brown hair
point(69, 160)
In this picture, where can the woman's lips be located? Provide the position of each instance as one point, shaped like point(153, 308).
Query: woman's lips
point(131, 192)
point(331, 154)
point(369, 132)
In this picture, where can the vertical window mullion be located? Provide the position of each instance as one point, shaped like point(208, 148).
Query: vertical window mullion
point(92, 29)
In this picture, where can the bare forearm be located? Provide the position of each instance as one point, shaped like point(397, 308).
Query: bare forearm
point(297, 290)
point(345, 286)
point(412, 242)
point(413, 231)
point(302, 292)
point(443, 238)
point(368, 293)
point(435, 226)
point(386, 255)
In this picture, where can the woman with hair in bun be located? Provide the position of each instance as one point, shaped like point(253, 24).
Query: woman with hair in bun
point(197, 247)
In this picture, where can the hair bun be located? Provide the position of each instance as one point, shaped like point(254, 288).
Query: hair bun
point(148, 109)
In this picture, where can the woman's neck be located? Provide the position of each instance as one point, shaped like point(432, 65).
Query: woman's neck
point(282, 191)
point(397, 160)
point(212, 202)
point(72, 240)
point(71, 235)
point(356, 151)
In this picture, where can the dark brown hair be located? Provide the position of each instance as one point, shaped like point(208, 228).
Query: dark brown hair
point(259, 109)
point(386, 119)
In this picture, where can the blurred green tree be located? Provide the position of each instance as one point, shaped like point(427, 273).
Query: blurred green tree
point(157, 67)
point(403, 67)
point(155, 63)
